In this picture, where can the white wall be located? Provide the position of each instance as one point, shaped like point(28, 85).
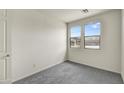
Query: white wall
point(122, 47)
point(38, 42)
point(109, 57)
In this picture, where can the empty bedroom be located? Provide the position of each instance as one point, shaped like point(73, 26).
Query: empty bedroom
point(61, 46)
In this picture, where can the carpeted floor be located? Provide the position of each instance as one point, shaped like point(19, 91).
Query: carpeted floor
point(72, 73)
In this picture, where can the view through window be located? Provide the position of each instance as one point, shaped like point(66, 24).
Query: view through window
point(75, 38)
point(92, 33)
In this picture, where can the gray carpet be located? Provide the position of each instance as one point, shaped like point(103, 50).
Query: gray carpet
point(72, 73)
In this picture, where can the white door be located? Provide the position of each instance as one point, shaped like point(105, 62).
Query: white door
point(4, 47)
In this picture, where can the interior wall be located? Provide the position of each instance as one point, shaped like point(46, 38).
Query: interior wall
point(38, 42)
point(122, 47)
point(109, 56)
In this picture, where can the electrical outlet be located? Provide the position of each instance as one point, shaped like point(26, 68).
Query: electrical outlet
point(34, 65)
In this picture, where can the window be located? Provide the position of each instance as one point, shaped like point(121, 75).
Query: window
point(75, 38)
point(92, 33)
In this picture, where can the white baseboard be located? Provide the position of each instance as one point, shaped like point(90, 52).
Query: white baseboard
point(95, 66)
point(5, 81)
point(36, 72)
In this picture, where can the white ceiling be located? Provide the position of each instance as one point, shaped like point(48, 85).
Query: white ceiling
point(68, 15)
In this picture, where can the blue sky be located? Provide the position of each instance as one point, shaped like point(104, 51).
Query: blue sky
point(76, 31)
point(90, 29)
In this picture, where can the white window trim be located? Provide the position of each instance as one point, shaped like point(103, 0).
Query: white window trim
point(82, 24)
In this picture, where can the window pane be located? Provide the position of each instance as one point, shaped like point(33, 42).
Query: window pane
point(92, 35)
point(75, 37)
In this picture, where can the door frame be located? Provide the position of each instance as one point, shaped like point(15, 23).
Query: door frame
point(8, 51)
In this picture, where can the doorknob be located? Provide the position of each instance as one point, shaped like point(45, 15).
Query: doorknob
point(7, 55)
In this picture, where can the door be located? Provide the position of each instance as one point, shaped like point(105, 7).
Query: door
point(4, 47)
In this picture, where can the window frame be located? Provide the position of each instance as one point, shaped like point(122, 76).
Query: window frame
point(85, 23)
point(82, 25)
point(80, 36)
